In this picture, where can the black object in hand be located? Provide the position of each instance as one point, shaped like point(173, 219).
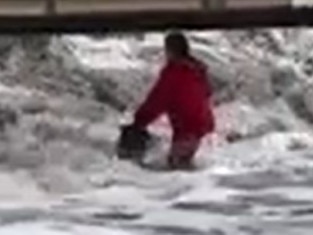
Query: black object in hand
point(133, 142)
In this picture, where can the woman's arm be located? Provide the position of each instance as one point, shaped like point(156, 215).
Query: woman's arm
point(156, 102)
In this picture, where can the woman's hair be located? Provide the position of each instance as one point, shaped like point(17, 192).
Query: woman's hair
point(177, 44)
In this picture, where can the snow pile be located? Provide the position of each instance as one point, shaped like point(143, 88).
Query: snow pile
point(257, 96)
point(63, 99)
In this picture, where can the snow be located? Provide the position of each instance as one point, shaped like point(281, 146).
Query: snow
point(107, 54)
point(59, 173)
point(57, 229)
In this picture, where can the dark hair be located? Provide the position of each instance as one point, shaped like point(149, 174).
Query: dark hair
point(177, 44)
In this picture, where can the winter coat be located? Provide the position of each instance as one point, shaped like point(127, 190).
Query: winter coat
point(182, 92)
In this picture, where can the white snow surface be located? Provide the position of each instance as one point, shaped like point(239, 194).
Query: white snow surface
point(60, 176)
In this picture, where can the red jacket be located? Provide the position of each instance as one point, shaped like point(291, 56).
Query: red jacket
point(182, 92)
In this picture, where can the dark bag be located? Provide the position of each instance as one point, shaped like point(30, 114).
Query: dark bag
point(133, 142)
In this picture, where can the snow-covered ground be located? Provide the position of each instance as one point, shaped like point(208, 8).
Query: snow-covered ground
point(61, 106)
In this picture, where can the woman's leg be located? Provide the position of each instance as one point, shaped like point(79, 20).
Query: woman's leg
point(182, 151)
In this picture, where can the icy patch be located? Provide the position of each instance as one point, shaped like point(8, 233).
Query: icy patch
point(57, 229)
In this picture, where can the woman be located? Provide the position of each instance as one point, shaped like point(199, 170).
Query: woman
point(183, 93)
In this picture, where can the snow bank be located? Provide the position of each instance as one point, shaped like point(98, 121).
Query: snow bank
point(58, 157)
